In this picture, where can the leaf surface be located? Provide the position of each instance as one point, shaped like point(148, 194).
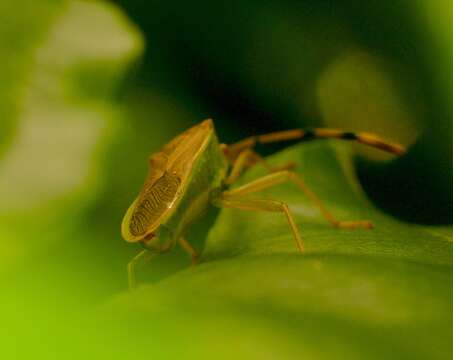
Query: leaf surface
point(380, 293)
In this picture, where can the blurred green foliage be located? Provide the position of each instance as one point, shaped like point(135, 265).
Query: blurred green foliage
point(83, 103)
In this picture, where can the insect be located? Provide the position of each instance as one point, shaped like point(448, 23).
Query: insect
point(194, 171)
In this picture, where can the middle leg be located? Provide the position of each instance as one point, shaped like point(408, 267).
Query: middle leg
point(289, 176)
point(263, 205)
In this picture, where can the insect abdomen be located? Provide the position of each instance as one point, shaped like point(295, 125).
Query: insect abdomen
point(153, 202)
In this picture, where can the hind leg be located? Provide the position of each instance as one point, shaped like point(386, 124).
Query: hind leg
point(249, 158)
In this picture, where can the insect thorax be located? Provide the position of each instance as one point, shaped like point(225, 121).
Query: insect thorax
point(181, 178)
point(153, 202)
point(205, 180)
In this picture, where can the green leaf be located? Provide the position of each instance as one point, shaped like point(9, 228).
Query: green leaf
point(16, 47)
point(354, 294)
point(381, 293)
point(63, 63)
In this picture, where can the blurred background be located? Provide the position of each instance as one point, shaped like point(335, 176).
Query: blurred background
point(377, 66)
point(88, 89)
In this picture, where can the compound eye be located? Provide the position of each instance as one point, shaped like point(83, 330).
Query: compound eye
point(147, 239)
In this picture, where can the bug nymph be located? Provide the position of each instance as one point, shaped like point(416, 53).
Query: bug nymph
point(193, 172)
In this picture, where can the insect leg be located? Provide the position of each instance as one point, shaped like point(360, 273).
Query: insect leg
point(365, 138)
point(189, 249)
point(144, 255)
point(289, 176)
point(263, 205)
point(242, 162)
point(248, 158)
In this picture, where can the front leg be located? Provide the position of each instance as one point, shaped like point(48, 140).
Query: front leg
point(144, 255)
point(189, 249)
